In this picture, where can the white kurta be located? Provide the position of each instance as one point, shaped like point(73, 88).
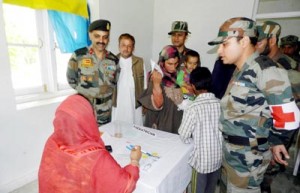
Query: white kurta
point(125, 110)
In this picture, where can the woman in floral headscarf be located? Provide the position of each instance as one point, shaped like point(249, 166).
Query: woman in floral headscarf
point(163, 94)
point(75, 158)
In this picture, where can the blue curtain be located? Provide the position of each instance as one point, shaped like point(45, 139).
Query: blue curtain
point(71, 30)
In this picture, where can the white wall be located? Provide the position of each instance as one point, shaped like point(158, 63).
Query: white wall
point(131, 16)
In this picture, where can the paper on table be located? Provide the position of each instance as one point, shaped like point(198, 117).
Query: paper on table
point(155, 66)
point(122, 154)
point(147, 160)
point(147, 164)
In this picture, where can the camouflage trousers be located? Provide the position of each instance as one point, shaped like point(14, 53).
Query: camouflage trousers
point(243, 169)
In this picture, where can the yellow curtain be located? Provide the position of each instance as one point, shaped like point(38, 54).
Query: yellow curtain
point(78, 7)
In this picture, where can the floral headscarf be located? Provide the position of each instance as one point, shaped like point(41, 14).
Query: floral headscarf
point(169, 79)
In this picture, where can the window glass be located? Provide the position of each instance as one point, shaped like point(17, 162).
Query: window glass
point(23, 48)
point(61, 64)
point(277, 6)
point(37, 65)
point(20, 29)
point(25, 67)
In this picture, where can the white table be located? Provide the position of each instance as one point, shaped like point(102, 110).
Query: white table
point(169, 174)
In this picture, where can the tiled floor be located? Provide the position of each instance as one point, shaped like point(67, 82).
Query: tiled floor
point(283, 183)
point(286, 183)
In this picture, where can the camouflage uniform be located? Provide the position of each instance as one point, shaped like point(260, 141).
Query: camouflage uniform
point(95, 79)
point(270, 29)
point(289, 64)
point(247, 114)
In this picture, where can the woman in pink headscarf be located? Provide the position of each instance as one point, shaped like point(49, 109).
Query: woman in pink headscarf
point(163, 94)
point(75, 159)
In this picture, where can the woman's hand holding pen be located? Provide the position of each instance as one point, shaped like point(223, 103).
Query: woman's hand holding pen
point(135, 155)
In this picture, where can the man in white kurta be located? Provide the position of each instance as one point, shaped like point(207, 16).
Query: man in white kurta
point(130, 84)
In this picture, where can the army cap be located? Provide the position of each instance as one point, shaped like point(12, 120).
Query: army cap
point(268, 29)
point(289, 40)
point(101, 24)
point(179, 26)
point(235, 27)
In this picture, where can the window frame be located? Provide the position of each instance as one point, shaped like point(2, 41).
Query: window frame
point(47, 47)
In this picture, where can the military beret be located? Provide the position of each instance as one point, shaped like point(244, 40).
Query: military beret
point(101, 24)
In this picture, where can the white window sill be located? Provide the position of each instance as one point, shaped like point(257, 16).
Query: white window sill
point(36, 100)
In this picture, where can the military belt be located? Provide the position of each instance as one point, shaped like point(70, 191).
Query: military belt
point(99, 101)
point(244, 141)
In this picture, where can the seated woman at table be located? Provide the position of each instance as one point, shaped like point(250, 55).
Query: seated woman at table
point(163, 94)
point(75, 158)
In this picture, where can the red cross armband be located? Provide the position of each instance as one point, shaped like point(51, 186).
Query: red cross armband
point(285, 116)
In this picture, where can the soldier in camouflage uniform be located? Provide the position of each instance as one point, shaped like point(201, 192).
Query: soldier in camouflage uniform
point(179, 34)
point(269, 33)
point(93, 71)
point(258, 109)
point(289, 46)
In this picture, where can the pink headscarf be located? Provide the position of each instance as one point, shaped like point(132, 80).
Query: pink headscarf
point(75, 127)
point(75, 158)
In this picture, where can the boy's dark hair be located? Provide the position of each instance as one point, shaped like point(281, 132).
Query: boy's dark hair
point(201, 78)
point(192, 53)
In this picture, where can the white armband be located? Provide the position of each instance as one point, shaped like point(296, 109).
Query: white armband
point(285, 116)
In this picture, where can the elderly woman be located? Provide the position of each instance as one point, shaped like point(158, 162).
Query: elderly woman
point(75, 158)
point(163, 94)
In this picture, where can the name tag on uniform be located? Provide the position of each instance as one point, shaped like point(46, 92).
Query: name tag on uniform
point(87, 62)
point(83, 78)
point(238, 83)
point(90, 78)
point(86, 78)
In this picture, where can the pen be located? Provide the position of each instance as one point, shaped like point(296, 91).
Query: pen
point(130, 147)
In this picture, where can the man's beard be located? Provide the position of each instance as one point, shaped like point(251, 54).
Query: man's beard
point(266, 50)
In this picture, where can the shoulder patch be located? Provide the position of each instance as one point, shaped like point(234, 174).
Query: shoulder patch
point(265, 62)
point(286, 65)
point(81, 51)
